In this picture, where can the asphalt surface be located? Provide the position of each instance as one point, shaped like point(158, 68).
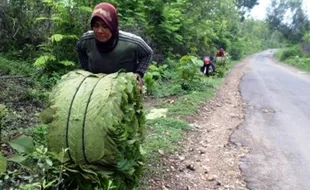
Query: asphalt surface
point(276, 127)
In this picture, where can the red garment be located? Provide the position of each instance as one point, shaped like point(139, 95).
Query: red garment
point(220, 54)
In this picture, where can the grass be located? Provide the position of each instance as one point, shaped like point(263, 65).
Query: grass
point(163, 138)
point(182, 105)
point(16, 68)
point(188, 104)
point(302, 63)
point(299, 60)
point(22, 96)
point(165, 134)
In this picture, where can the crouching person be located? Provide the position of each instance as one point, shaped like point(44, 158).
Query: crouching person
point(208, 66)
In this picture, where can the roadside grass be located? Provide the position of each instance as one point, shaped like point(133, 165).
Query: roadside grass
point(167, 89)
point(302, 63)
point(295, 58)
point(23, 94)
point(188, 104)
point(178, 106)
point(15, 68)
point(164, 135)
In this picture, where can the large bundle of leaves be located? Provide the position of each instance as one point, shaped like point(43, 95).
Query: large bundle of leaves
point(99, 119)
point(220, 60)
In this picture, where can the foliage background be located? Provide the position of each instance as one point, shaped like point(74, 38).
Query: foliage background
point(31, 29)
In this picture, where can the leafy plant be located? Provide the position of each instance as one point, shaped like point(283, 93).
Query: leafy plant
point(34, 167)
point(158, 72)
point(291, 52)
point(3, 163)
point(2, 113)
point(154, 74)
point(149, 81)
point(57, 52)
point(189, 71)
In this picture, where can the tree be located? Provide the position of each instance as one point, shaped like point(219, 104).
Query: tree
point(244, 6)
point(289, 18)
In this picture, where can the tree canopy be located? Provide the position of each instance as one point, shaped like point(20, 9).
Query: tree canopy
point(289, 18)
point(47, 32)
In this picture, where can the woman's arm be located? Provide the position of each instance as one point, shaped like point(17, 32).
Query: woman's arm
point(145, 54)
point(83, 58)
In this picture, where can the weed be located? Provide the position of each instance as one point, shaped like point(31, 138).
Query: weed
point(293, 56)
point(163, 134)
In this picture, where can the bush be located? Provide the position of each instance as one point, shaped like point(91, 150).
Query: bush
point(291, 52)
point(235, 52)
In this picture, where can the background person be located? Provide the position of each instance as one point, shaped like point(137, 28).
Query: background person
point(220, 53)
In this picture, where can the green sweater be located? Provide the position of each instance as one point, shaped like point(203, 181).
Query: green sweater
point(131, 54)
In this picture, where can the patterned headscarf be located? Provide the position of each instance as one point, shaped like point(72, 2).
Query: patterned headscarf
point(108, 13)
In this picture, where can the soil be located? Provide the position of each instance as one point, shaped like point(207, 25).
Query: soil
point(208, 159)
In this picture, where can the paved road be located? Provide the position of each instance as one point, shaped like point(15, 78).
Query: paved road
point(276, 126)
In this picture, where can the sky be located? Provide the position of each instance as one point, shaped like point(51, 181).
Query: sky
point(259, 11)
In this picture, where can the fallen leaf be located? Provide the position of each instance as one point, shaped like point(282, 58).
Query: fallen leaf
point(161, 152)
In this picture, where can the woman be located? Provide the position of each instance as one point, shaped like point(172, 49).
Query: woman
point(220, 53)
point(220, 57)
point(106, 49)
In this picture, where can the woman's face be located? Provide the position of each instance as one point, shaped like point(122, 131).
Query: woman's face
point(102, 31)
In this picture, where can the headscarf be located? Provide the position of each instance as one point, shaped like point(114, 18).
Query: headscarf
point(108, 13)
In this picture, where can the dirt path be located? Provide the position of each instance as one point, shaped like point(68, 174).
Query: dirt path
point(209, 160)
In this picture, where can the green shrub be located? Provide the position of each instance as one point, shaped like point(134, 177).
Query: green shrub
point(220, 71)
point(235, 51)
point(167, 88)
point(20, 68)
point(291, 52)
point(188, 71)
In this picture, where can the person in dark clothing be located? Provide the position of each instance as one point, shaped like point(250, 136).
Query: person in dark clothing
point(106, 49)
point(207, 65)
